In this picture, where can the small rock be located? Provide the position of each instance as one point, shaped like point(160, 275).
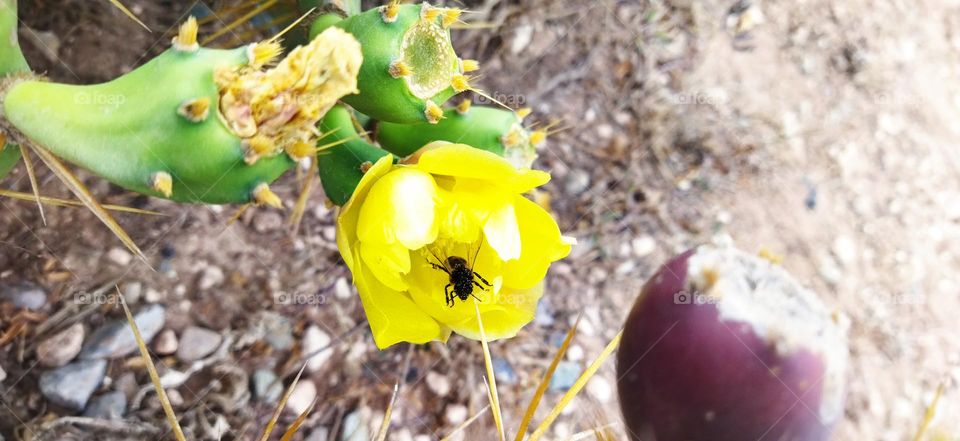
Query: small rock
point(342, 288)
point(302, 397)
point(62, 347)
point(109, 406)
point(314, 340)
point(318, 434)
point(267, 220)
point(575, 353)
point(438, 383)
point(266, 388)
point(845, 249)
point(132, 292)
point(278, 331)
point(219, 428)
point(116, 338)
point(355, 427)
point(642, 246)
point(544, 316)
point(72, 385)
point(599, 388)
point(521, 38)
point(166, 343)
point(455, 414)
point(503, 371)
point(25, 295)
point(120, 256)
point(578, 181)
point(196, 343)
point(563, 378)
point(3, 374)
point(212, 276)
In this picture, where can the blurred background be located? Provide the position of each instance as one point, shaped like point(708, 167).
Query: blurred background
point(822, 132)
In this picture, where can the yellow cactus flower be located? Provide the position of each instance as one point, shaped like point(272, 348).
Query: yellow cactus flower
point(428, 241)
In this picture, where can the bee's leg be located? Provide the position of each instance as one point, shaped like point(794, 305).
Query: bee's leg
point(475, 296)
point(485, 282)
point(482, 288)
point(439, 267)
point(446, 290)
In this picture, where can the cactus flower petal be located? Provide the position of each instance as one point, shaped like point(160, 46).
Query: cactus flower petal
point(406, 226)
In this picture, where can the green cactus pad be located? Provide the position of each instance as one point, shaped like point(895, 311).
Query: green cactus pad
point(340, 167)
point(422, 45)
point(487, 128)
point(129, 129)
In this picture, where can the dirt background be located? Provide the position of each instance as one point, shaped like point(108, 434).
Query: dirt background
point(824, 132)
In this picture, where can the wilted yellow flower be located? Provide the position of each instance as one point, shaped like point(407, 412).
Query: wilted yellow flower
point(406, 225)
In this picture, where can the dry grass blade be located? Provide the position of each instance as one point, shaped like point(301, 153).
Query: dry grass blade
point(385, 424)
point(126, 11)
point(83, 194)
point(293, 25)
point(243, 19)
point(492, 381)
point(545, 382)
point(296, 217)
point(152, 370)
point(56, 202)
point(295, 426)
point(577, 387)
point(600, 433)
point(463, 426)
point(929, 414)
point(283, 402)
point(28, 163)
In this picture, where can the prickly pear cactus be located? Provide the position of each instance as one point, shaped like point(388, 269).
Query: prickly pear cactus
point(409, 65)
point(194, 124)
point(493, 129)
point(342, 166)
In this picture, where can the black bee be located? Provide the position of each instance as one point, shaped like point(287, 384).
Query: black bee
point(462, 278)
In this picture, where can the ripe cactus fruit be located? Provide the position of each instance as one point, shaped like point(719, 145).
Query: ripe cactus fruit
point(409, 64)
point(342, 166)
point(193, 124)
point(725, 346)
point(488, 128)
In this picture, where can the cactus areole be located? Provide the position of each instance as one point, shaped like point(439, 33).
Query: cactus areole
point(725, 346)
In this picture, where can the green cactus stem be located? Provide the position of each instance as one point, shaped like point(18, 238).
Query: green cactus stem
point(9, 155)
point(11, 61)
point(488, 128)
point(341, 167)
point(409, 65)
point(194, 124)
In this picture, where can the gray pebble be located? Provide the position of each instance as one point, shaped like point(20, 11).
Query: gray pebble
point(72, 385)
point(354, 427)
point(318, 434)
point(278, 331)
point(266, 388)
point(62, 347)
point(196, 343)
point(109, 406)
point(116, 338)
point(503, 371)
point(563, 378)
point(25, 295)
point(3, 374)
